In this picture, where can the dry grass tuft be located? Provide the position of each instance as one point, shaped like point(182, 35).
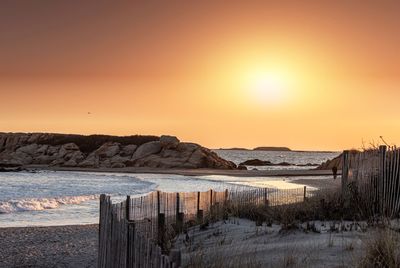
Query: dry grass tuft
point(382, 250)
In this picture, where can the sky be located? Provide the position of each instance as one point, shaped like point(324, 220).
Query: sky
point(323, 75)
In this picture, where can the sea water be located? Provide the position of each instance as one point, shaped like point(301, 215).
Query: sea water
point(44, 198)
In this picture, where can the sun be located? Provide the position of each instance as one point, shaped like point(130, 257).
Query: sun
point(267, 86)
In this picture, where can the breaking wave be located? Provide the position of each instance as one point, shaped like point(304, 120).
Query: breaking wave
point(42, 203)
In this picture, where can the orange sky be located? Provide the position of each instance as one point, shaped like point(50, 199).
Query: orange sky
point(321, 75)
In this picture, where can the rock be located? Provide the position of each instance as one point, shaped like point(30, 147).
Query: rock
point(43, 159)
point(119, 159)
point(169, 142)
point(57, 162)
point(328, 165)
point(256, 162)
point(28, 149)
point(92, 160)
point(187, 147)
point(77, 156)
point(128, 150)
point(157, 161)
point(286, 164)
point(42, 149)
point(105, 163)
point(66, 148)
point(11, 169)
point(242, 167)
point(108, 149)
point(205, 158)
point(70, 163)
point(118, 165)
point(53, 150)
point(15, 158)
point(146, 149)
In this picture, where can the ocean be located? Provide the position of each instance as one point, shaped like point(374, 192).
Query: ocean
point(46, 198)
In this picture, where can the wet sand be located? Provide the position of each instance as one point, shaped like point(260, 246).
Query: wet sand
point(56, 246)
point(327, 183)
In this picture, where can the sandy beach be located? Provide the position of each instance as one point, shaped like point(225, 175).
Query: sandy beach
point(58, 246)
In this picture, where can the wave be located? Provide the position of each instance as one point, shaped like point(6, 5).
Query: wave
point(34, 204)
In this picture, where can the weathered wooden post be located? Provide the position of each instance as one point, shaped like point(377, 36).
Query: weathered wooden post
point(128, 236)
point(199, 211)
point(382, 178)
point(305, 194)
point(175, 257)
point(158, 203)
point(345, 171)
point(160, 223)
point(130, 256)
point(179, 216)
point(102, 232)
point(127, 207)
point(211, 203)
point(266, 201)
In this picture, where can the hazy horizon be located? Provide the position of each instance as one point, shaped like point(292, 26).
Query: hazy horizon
point(316, 76)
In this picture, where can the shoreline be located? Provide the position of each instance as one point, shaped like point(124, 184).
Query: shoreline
point(193, 172)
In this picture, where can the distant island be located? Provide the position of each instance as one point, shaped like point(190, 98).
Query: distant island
point(262, 148)
point(279, 149)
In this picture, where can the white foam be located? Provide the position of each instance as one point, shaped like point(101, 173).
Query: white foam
point(42, 203)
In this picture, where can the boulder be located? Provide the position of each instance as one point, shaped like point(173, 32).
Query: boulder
point(42, 149)
point(105, 163)
point(57, 162)
point(28, 149)
point(329, 164)
point(91, 161)
point(119, 159)
point(108, 149)
point(53, 150)
point(15, 158)
point(67, 148)
point(70, 163)
point(128, 150)
point(43, 159)
point(77, 156)
point(157, 161)
point(118, 165)
point(241, 167)
point(169, 142)
point(149, 148)
point(187, 147)
point(256, 162)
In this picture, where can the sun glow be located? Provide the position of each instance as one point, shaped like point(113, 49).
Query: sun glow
point(267, 87)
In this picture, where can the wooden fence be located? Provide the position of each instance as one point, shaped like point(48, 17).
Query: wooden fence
point(372, 178)
point(136, 232)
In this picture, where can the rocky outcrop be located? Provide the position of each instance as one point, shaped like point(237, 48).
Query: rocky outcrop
point(20, 149)
point(328, 165)
point(258, 162)
point(255, 162)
